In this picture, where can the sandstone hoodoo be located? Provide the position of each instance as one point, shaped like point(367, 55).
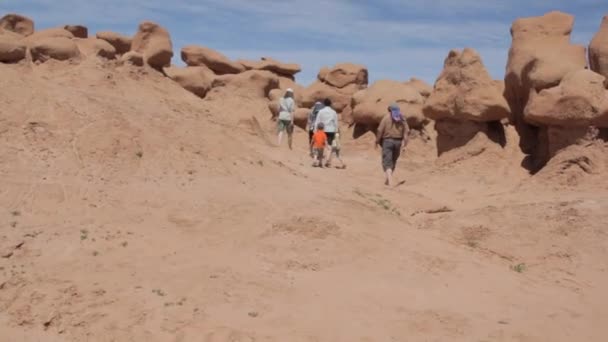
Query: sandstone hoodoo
point(466, 101)
point(598, 50)
point(194, 55)
point(78, 31)
point(422, 87)
point(370, 105)
point(59, 48)
point(344, 74)
point(133, 58)
point(17, 23)
point(154, 43)
point(540, 56)
point(120, 42)
point(575, 112)
point(197, 80)
point(252, 84)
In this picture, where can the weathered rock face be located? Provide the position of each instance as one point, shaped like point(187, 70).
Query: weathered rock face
point(579, 100)
point(154, 43)
point(194, 55)
point(96, 47)
point(12, 47)
point(319, 91)
point(371, 105)
point(59, 48)
point(120, 42)
point(285, 70)
point(197, 80)
point(465, 91)
point(598, 50)
point(49, 33)
point(540, 56)
point(249, 84)
point(344, 74)
point(18, 24)
point(78, 31)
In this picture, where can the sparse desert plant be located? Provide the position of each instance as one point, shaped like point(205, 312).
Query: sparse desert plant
point(84, 234)
point(519, 268)
point(139, 154)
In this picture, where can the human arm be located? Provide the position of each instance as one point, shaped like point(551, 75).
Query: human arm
point(406, 134)
point(380, 132)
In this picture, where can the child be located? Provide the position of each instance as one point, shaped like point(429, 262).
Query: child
point(318, 144)
point(335, 149)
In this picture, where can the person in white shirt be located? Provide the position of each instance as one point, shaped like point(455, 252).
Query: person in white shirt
point(287, 107)
point(329, 118)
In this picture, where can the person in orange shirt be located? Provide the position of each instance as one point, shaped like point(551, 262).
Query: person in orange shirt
point(318, 144)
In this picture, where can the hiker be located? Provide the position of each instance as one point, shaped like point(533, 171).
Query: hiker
point(287, 107)
point(392, 136)
point(335, 150)
point(312, 118)
point(329, 118)
point(318, 145)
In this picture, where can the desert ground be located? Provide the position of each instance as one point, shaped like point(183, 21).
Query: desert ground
point(134, 210)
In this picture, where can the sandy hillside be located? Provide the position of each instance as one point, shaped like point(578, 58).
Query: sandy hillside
point(133, 210)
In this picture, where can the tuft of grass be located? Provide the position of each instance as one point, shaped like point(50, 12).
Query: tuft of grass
point(124, 244)
point(519, 268)
point(84, 234)
point(14, 224)
point(472, 243)
point(159, 292)
point(139, 154)
point(95, 253)
point(16, 213)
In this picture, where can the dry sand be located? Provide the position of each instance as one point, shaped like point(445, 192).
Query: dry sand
point(133, 211)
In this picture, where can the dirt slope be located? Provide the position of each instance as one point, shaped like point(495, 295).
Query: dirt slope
point(132, 210)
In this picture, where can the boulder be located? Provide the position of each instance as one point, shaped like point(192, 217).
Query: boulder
point(197, 80)
point(18, 24)
point(300, 117)
point(59, 48)
point(371, 105)
point(282, 69)
point(540, 56)
point(132, 57)
point(319, 91)
point(422, 87)
point(247, 64)
point(579, 100)
point(252, 84)
point(154, 43)
point(49, 33)
point(598, 50)
point(78, 31)
point(194, 55)
point(120, 42)
point(344, 74)
point(465, 91)
point(11, 50)
point(96, 47)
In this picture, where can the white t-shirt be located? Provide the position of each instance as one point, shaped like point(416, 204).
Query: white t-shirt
point(286, 108)
point(329, 118)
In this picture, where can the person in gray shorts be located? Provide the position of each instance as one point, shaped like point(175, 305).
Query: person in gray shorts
point(392, 136)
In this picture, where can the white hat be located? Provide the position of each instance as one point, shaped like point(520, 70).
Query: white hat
point(289, 90)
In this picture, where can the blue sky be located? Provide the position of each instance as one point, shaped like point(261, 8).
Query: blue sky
point(395, 39)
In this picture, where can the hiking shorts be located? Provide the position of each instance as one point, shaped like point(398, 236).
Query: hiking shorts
point(391, 150)
point(285, 125)
point(319, 152)
point(330, 137)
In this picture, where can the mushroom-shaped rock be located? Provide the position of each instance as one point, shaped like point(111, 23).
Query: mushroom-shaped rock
point(197, 80)
point(279, 68)
point(12, 48)
point(579, 100)
point(96, 47)
point(370, 105)
point(50, 33)
point(154, 43)
point(18, 24)
point(132, 57)
point(78, 31)
point(249, 84)
point(598, 50)
point(540, 56)
point(421, 86)
point(465, 91)
point(120, 42)
point(194, 55)
point(59, 48)
point(344, 74)
point(319, 91)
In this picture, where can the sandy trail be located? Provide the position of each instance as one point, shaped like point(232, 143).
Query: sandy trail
point(141, 213)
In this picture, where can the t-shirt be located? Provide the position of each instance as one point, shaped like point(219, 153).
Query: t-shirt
point(319, 139)
point(286, 108)
point(329, 118)
point(390, 129)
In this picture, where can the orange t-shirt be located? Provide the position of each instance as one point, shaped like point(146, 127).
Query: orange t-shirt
point(319, 139)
